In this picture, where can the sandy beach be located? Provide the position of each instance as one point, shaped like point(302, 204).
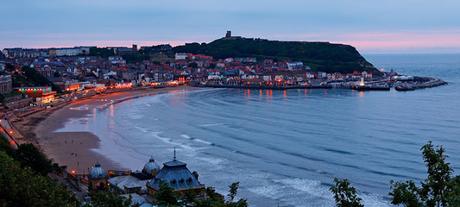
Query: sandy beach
point(74, 149)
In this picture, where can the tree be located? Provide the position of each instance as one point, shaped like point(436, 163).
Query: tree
point(435, 188)
point(193, 65)
point(165, 195)
point(101, 52)
point(9, 67)
point(5, 146)
point(29, 155)
point(233, 190)
point(36, 79)
point(108, 199)
point(213, 199)
point(23, 187)
point(438, 189)
point(345, 195)
point(405, 193)
point(453, 196)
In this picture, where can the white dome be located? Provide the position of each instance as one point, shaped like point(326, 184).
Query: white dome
point(151, 167)
point(97, 172)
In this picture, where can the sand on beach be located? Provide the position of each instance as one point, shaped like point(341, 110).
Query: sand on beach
point(75, 149)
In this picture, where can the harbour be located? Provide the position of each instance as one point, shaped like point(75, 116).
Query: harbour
point(287, 156)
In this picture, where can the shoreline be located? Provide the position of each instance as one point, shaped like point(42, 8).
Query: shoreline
point(75, 149)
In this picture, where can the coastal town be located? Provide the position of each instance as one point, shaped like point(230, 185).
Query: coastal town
point(66, 73)
point(41, 81)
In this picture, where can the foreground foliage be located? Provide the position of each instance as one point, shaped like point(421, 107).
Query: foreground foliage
point(439, 189)
point(23, 187)
point(29, 156)
point(167, 197)
point(344, 194)
point(108, 199)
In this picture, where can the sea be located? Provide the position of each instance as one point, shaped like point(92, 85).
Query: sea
point(286, 147)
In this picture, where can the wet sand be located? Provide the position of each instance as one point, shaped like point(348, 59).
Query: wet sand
point(74, 149)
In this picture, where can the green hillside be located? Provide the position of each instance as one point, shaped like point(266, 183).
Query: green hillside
point(320, 56)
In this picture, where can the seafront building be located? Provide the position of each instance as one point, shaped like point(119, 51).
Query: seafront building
point(6, 84)
point(177, 176)
point(43, 95)
point(143, 185)
point(97, 178)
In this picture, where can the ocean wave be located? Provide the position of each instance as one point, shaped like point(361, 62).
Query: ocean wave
point(203, 141)
point(373, 200)
point(141, 129)
point(189, 149)
point(269, 191)
point(185, 136)
point(306, 192)
point(211, 124)
point(312, 187)
point(294, 192)
point(216, 162)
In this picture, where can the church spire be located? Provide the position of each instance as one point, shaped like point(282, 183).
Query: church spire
point(174, 153)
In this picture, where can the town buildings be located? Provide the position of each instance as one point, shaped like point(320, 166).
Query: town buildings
point(77, 71)
point(6, 84)
point(51, 52)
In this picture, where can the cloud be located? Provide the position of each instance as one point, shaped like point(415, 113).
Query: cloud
point(369, 25)
point(435, 41)
point(387, 42)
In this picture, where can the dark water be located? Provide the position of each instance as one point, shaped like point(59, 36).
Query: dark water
point(287, 146)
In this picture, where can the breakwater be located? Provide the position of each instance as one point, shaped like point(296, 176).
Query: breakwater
point(411, 86)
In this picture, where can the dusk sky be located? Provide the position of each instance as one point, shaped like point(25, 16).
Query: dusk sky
point(386, 26)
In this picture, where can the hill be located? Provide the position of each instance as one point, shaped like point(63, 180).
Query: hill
point(320, 56)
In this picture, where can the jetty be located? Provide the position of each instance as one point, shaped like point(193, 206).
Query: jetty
point(419, 83)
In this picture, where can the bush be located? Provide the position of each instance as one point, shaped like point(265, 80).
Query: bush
point(23, 187)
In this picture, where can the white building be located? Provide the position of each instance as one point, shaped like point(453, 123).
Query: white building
point(295, 65)
point(267, 78)
point(214, 77)
point(116, 60)
point(67, 52)
point(59, 52)
point(322, 75)
point(181, 56)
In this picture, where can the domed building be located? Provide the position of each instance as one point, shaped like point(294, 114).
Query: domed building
point(97, 177)
point(135, 182)
point(151, 168)
point(177, 176)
